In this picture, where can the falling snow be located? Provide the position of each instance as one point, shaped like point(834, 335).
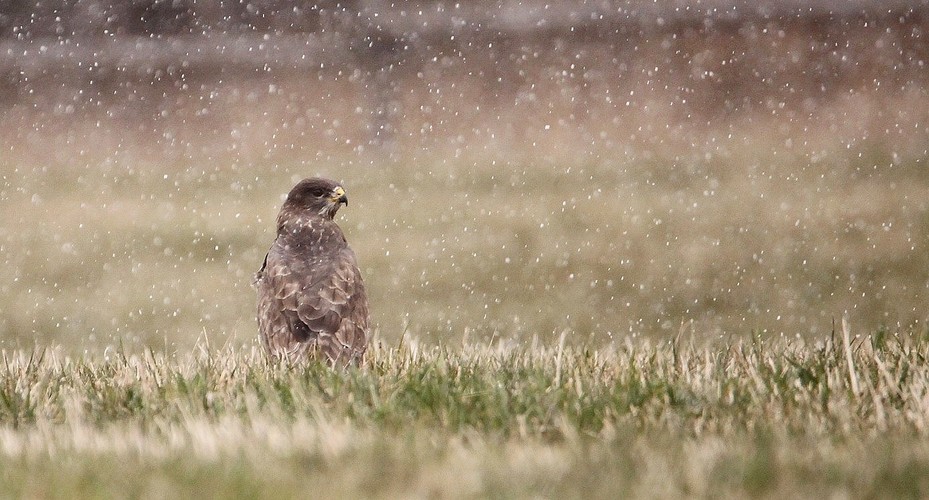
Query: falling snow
point(516, 169)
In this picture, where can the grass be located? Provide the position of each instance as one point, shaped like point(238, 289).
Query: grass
point(543, 220)
point(96, 255)
point(750, 417)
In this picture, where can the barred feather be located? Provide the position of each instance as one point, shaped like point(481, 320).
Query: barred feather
point(311, 298)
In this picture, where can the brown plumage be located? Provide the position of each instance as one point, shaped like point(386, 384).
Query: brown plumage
point(311, 299)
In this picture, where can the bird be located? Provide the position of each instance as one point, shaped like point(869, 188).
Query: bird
point(312, 303)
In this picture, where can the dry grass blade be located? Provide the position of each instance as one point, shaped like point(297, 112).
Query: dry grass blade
point(481, 421)
point(849, 358)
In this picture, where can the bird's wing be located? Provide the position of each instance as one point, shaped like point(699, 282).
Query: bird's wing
point(321, 299)
point(335, 306)
point(280, 327)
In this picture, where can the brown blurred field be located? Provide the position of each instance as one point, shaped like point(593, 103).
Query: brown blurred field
point(764, 176)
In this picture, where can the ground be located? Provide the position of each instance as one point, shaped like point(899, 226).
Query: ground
point(612, 262)
point(748, 418)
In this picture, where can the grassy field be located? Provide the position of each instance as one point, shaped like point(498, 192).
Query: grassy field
point(600, 263)
point(678, 418)
point(738, 179)
point(730, 229)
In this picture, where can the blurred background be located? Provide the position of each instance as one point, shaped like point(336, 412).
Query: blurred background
point(517, 169)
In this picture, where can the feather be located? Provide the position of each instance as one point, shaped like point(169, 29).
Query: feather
point(311, 297)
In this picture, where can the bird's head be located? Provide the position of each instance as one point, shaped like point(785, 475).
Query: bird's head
point(316, 196)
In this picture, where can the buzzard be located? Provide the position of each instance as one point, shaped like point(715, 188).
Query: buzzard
point(311, 299)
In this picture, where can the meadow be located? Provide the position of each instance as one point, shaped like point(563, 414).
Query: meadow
point(652, 262)
point(752, 418)
point(776, 224)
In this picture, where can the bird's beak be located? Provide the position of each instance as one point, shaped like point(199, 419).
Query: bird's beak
point(339, 196)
